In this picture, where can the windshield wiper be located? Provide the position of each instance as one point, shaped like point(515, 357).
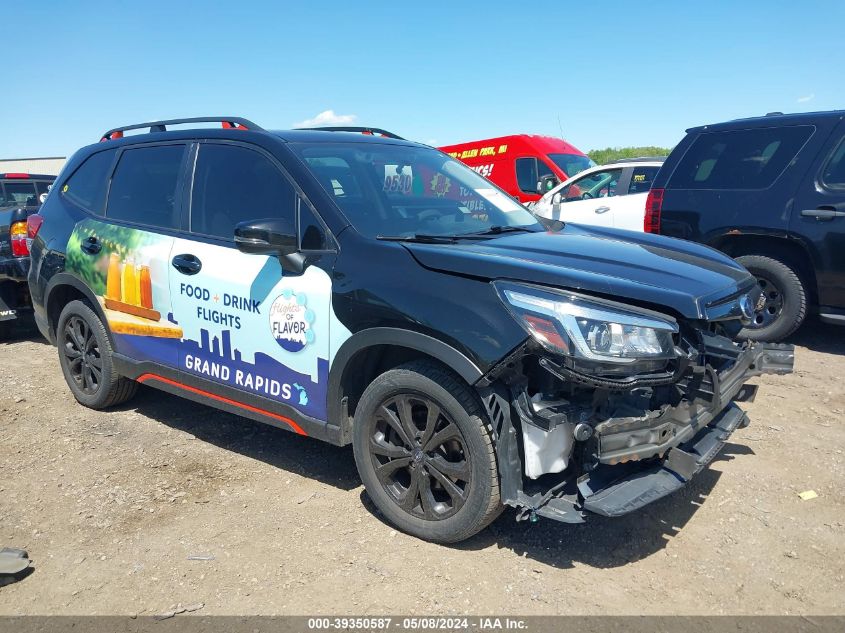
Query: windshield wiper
point(419, 237)
point(497, 230)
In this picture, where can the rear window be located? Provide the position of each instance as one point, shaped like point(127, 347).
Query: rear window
point(17, 193)
point(741, 159)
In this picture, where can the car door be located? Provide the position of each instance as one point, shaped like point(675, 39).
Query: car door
point(589, 199)
point(818, 219)
point(247, 323)
point(123, 257)
point(629, 206)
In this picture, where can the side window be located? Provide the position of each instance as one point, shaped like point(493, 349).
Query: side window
point(87, 186)
point(741, 159)
point(833, 173)
point(144, 185)
point(526, 174)
point(233, 184)
point(641, 179)
point(599, 184)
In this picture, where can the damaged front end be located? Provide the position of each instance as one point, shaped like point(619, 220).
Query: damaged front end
point(607, 407)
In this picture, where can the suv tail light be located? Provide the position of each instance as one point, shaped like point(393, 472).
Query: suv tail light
point(17, 233)
point(653, 208)
point(22, 233)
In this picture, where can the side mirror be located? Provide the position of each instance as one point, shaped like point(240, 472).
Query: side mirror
point(556, 198)
point(42, 198)
point(547, 183)
point(271, 237)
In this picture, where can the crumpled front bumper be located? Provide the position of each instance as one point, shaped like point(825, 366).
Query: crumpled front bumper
point(686, 439)
point(635, 460)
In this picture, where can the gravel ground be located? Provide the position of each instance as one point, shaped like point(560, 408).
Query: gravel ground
point(163, 502)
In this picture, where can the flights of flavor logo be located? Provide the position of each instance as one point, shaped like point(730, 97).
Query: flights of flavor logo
point(291, 320)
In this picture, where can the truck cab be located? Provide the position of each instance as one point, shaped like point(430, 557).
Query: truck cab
point(21, 195)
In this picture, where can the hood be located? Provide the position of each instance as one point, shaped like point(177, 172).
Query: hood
point(690, 279)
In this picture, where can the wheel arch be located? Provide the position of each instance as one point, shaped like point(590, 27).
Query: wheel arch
point(784, 249)
point(373, 351)
point(62, 289)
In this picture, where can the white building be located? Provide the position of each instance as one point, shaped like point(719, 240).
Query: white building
point(49, 166)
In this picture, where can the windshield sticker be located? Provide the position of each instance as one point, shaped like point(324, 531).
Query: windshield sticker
point(440, 185)
point(398, 179)
point(499, 200)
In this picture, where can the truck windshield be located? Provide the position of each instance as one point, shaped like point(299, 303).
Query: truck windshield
point(402, 191)
point(572, 164)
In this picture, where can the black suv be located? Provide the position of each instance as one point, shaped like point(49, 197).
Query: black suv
point(20, 197)
point(769, 191)
point(364, 289)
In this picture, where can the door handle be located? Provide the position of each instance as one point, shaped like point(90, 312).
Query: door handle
point(91, 245)
point(187, 264)
point(822, 214)
point(602, 209)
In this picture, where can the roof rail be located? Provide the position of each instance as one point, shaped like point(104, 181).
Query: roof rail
point(229, 122)
point(370, 131)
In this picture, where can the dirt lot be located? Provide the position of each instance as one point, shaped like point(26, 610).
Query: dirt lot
point(165, 502)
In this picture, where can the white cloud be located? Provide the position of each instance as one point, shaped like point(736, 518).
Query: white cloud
point(807, 98)
point(327, 117)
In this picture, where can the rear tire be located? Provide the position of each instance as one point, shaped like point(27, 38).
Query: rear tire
point(423, 429)
point(85, 354)
point(786, 299)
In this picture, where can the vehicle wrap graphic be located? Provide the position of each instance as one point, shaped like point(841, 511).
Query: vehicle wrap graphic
point(238, 321)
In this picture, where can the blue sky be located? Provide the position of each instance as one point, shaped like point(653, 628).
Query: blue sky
point(603, 73)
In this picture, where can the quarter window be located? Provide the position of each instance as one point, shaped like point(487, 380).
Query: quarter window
point(87, 186)
point(144, 186)
point(233, 184)
point(641, 179)
point(741, 159)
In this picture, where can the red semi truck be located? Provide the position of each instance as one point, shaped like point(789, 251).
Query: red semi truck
point(524, 165)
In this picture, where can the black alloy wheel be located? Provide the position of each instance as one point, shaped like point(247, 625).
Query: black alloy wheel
point(84, 362)
point(420, 456)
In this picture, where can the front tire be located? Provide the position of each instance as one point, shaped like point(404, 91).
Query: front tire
point(785, 299)
point(425, 452)
point(85, 354)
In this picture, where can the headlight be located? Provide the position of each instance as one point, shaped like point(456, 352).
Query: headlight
point(598, 336)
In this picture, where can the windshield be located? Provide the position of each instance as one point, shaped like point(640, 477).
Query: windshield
point(572, 164)
point(402, 191)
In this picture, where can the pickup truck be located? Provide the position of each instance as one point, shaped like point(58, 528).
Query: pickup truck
point(21, 195)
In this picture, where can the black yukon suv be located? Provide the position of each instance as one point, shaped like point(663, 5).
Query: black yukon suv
point(770, 192)
point(367, 290)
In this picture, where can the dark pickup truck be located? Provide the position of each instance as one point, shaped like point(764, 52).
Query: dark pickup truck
point(20, 196)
